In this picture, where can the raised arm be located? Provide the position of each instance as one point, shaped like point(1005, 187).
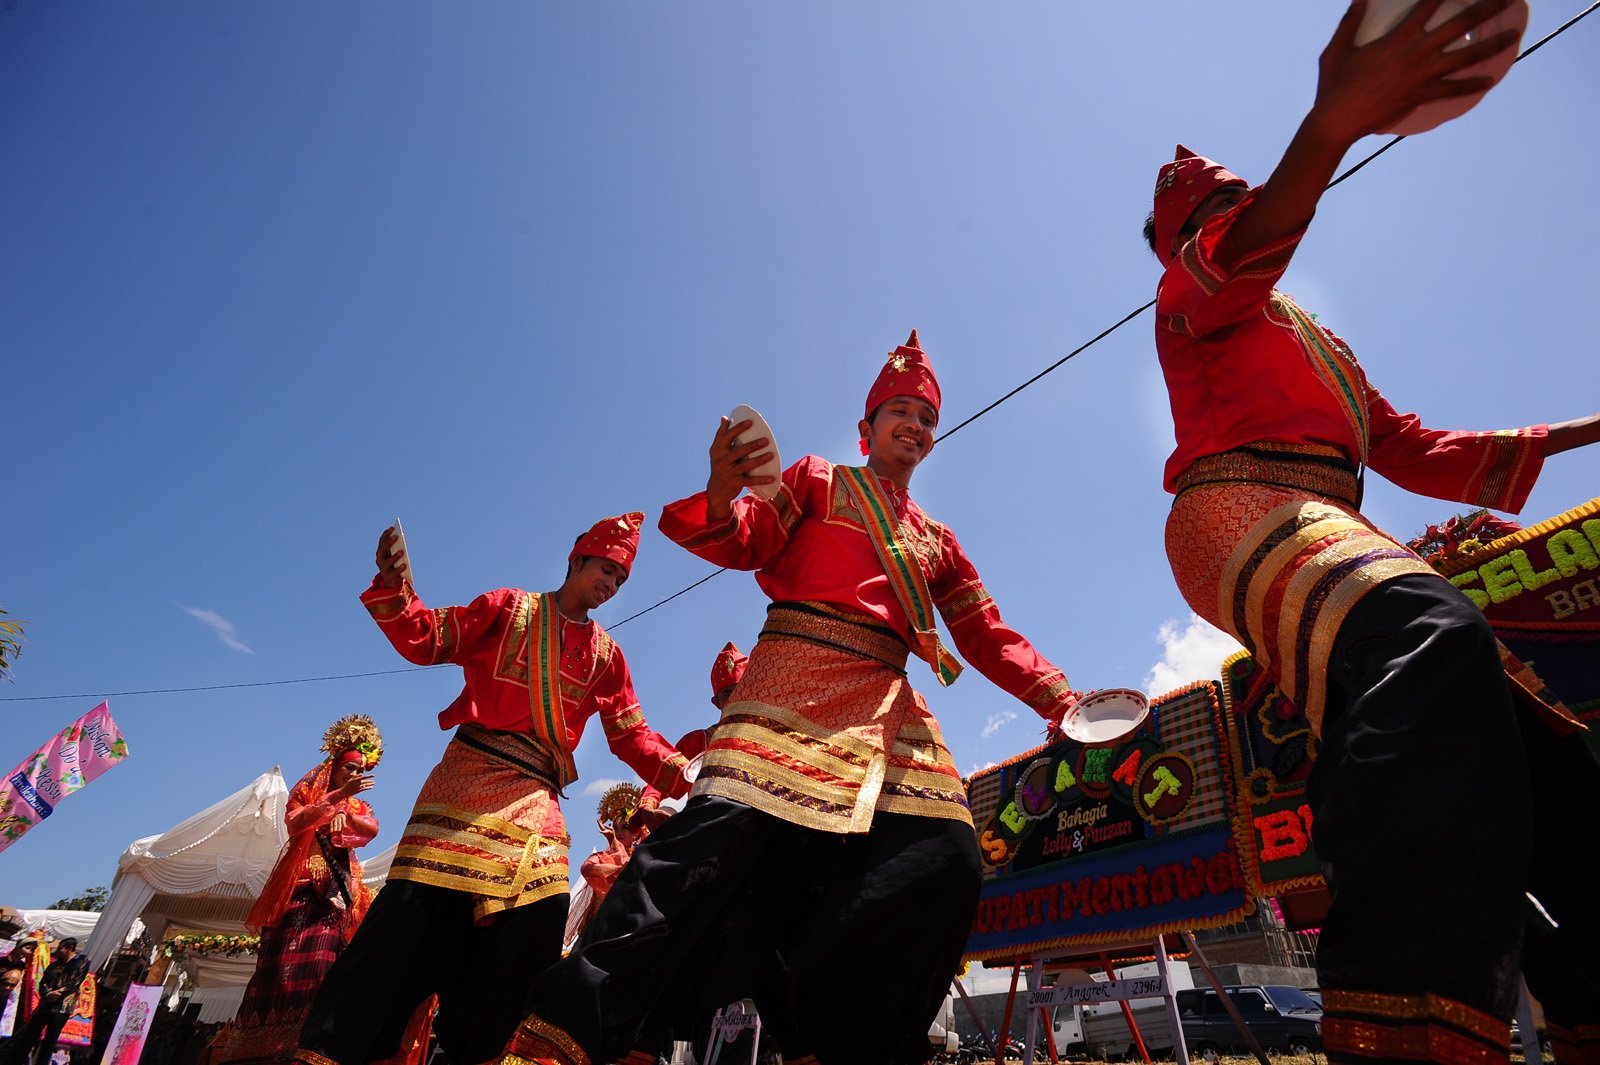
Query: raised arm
point(1565, 436)
point(748, 531)
point(424, 636)
point(1362, 90)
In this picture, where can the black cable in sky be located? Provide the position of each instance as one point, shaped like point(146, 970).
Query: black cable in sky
point(1086, 345)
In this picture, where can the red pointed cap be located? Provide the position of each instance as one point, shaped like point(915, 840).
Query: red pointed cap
point(727, 669)
point(614, 538)
point(1180, 187)
point(907, 373)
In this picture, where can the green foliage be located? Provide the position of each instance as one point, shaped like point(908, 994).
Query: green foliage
point(93, 898)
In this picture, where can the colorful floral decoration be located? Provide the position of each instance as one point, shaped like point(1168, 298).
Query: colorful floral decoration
point(1461, 535)
point(355, 732)
point(224, 945)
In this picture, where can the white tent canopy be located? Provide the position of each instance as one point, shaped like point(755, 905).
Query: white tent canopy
point(203, 873)
point(57, 924)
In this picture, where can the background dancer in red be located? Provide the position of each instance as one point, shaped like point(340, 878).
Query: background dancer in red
point(825, 865)
point(1398, 673)
point(726, 669)
point(476, 899)
point(616, 809)
point(315, 898)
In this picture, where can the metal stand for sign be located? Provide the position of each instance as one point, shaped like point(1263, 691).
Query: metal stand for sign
point(728, 1022)
point(1042, 999)
point(1250, 1039)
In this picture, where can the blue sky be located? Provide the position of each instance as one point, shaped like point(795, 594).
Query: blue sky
point(274, 274)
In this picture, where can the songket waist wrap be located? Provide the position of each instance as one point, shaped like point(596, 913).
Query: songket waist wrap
point(1266, 543)
point(824, 730)
point(488, 822)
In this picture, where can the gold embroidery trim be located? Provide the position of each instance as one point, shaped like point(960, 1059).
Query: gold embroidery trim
point(801, 751)
point(968, 599)
point(385, 608)
point(624, 721)
point(1252, 466)
point(534, 1036)
point(785, 777)
point(1331, 616)
point(1418, 1007)
point(1048, 690)
point(847, 632)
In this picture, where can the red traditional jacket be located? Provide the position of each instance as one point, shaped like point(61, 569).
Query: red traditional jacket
point(806, 545)
point(689, 745)
point(488, 638)
point(1245, 364)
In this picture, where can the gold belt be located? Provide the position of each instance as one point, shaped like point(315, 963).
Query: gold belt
point(513, 749)
point(842, 630)
point(1315, 468)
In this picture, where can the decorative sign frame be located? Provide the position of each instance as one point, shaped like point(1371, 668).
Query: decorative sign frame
point(1540, 590)
point(1089, 845)
point(1271, 749)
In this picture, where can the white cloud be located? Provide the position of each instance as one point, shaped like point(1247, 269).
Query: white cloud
point(980, 768)
point(219, 625)
point(997, 722)
point(597, 787)
point(1190, 653)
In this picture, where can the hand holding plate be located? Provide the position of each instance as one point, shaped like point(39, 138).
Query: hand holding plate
point(733, 463)
point(392, 561)
point(1370, 84)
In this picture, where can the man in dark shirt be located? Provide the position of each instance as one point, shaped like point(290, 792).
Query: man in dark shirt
point(58, 997)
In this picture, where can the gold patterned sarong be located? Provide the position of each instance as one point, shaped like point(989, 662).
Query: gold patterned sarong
point(824, 729)
point(1268, 546)
point(487, 822)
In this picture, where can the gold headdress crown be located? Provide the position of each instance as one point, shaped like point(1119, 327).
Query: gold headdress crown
point(355, 732)
point(618, 803)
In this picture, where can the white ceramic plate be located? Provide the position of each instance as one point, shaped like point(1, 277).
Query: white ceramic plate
point(1383, 15)
point(1106, 715)
point(773, 467)
point(399, 548)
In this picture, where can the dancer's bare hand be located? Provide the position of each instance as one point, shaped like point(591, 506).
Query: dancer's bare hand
point(731, 468)
point(354, 785)
point(1366, 89)
point(391, 568)
point(648, 818)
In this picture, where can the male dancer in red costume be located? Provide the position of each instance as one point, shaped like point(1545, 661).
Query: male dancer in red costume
point(1395, 669)
point(826, 858)
point(481, 870)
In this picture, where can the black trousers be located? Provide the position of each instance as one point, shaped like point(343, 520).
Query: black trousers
point(418, 940)
point(846, 944)
point(39, 1034)
point(1438, 803)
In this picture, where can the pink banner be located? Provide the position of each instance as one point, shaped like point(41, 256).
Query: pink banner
point(133, 1024)
point(73, 757)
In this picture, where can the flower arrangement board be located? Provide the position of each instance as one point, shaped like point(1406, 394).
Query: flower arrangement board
point(1540, 589)
point(1089, 846)
point(1271, 749)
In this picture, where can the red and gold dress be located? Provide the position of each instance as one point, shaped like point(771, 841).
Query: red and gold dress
point(313, 901)
point(488, 819)
point(1274, 421)
point(828, 755)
